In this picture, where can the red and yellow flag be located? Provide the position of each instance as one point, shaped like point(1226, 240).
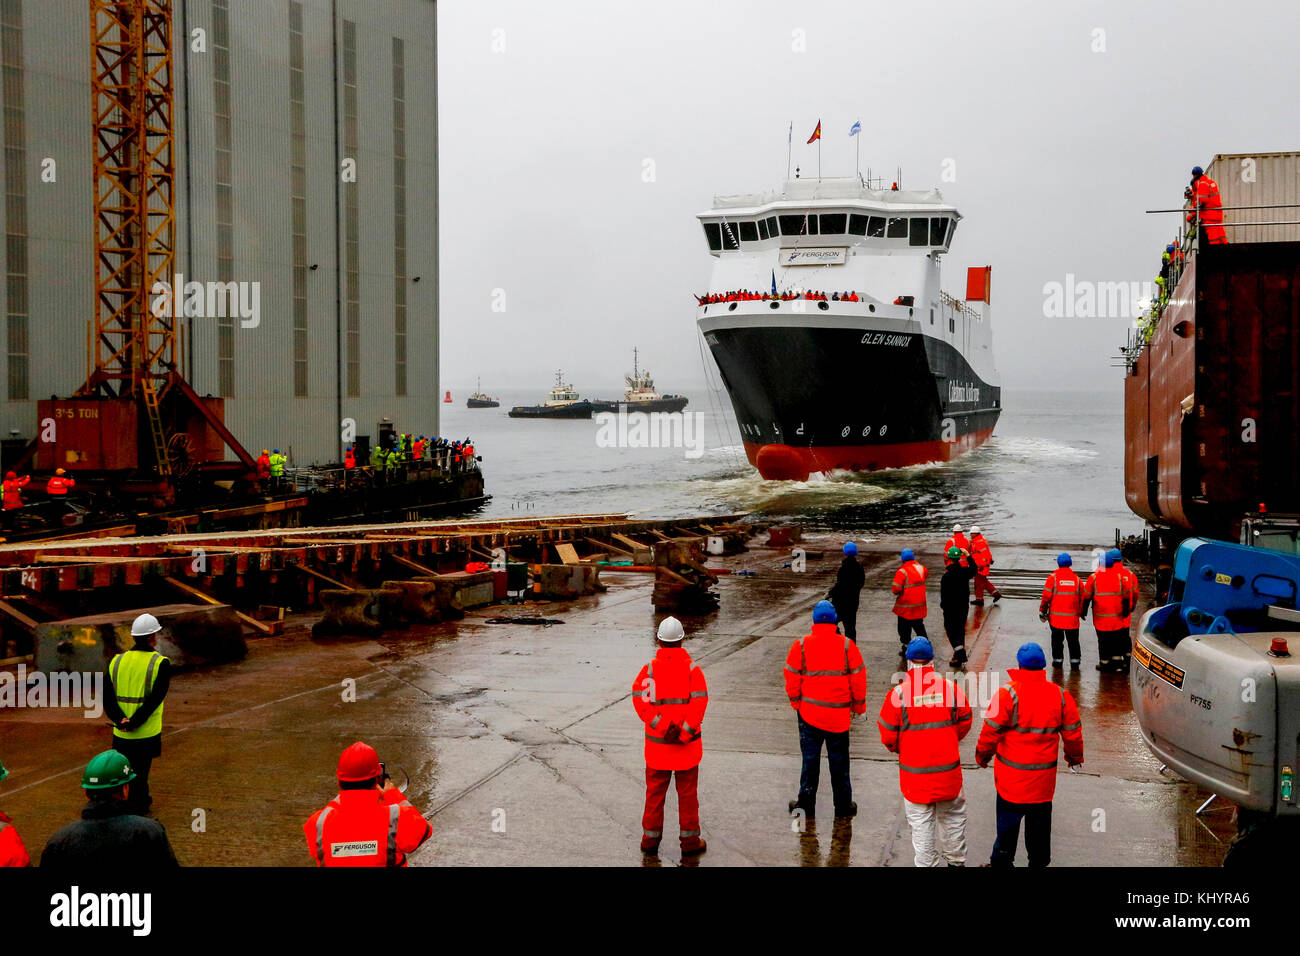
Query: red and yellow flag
point(817, 133)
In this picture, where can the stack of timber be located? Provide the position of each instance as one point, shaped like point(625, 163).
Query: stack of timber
point(682, 582)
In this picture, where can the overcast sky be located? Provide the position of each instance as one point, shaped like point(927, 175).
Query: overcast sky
point(549, 110)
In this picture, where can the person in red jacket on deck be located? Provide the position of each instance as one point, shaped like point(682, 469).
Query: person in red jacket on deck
point(983, 558)
point(1024, 727)
point(1107, 595)
point(370, 822)
point(264, 465)
point(1129, 583)
point(670, 696)
point(826, 681)
point(59, 484)
point(12, 850)
point(909, 601)
point(1209, 207)
point(1059, 607)
point(923, 720)
point(13, 490)
point(958, 540)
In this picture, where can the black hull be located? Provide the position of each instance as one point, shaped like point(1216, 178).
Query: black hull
point(669, 403)
point(479, 403)
point(576, 410)
point(820, 398)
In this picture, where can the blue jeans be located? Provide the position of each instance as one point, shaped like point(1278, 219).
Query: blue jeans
point(1038, 832)
point(837, 757)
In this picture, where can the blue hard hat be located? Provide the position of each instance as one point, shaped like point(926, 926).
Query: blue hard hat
point(908, 555)
point(824, 613)
point(1063, 560)
point(1030, 657)
point(850, 548)
point(1115, 556)
point(1197, 172)
point(920, 650)
point(276, 452)
point(1105, 561)
point(1170, 248)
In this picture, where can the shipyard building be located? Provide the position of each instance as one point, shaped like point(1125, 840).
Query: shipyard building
point(306, 141)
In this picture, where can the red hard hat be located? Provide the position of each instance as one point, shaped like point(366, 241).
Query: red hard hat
point(10, 474)
point(359, 762)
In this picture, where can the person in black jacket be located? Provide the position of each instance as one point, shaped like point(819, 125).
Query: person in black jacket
point(109, 838)
point(848, 588)
point(954, 600)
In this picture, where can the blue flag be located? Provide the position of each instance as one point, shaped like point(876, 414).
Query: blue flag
point(857, 128)
point(774, 282)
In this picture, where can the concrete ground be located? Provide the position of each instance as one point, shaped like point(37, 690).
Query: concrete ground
point(523, 748)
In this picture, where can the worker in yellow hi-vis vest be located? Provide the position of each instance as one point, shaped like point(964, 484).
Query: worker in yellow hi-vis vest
point(137, 684)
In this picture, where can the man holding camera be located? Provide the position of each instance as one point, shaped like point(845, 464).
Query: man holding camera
point(370, 822)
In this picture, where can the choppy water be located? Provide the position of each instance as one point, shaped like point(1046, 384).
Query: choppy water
point(1052, 473)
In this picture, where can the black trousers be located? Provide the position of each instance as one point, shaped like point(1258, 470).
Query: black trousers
point(140, 753)
point(1112, 643)
point(906, 627)
point(848, 615)
point(1061, 636)
point(811, 740)
point(954, 625)
point(1038, 832)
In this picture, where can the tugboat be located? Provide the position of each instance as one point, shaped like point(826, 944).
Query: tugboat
point(563, 403)
point(855, 359)
point(640, 395)
point(479, 400)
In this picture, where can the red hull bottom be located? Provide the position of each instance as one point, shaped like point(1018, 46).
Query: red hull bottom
point(787, 463)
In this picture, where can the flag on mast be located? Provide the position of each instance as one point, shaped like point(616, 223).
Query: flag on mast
point(817, 133)
point(856, 128)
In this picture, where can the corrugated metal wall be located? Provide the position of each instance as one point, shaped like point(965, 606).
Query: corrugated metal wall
point(262, 412)
point(1259, 179)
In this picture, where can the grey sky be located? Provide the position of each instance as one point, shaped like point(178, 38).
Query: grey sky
point(1057, 151)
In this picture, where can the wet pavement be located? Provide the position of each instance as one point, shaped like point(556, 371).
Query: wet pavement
point(522, 745)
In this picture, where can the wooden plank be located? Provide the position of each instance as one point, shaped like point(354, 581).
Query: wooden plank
point(567, 552)
point(20, 659)
point(411, 565)
point(323, 577)
point(26, 622)
point(607, 546)
point(275, 627)
point(634, 544)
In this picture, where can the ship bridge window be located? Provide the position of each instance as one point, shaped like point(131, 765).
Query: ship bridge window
point(713, 233)
point(762, 229)
point(897, 229)
point(938, 227)
point(857, 225)
point(833, 223)
point(729, 239)
point(920, 232)
point(798, 225)
point(772, 230)
point(876, 227)
point(748, 232)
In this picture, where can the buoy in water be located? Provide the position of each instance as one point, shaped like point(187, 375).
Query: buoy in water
point(448, 398)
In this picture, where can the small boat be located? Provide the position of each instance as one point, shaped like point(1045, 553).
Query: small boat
point(479, 400)
point(563, 403)
point(640, 395)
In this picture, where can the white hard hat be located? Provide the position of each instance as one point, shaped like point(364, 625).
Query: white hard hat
point(975, 529)
point(956, 529)
point(144, 625)
point(670, 630)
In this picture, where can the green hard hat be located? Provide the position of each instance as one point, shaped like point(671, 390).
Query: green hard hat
point(107, 771)
point(3, 773)
point(954, 552)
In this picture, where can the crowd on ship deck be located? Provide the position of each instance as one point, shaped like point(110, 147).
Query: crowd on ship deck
point(749, 295)
point(1203, 215)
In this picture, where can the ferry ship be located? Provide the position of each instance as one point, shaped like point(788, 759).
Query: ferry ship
point(563, 403)
point(640, 394)
point(835, 341)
